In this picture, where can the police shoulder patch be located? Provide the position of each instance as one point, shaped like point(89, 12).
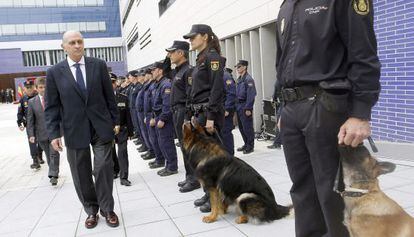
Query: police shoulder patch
point(361, 7)
point(215, 65)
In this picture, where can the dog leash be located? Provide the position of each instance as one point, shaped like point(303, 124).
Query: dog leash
point(339, 187)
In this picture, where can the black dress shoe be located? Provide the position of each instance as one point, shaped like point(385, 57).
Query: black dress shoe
point(145, 154)
point(166, 172)
point(273, 146)
point(188, 187)
point(206, 207)
point(142, 148)
point(248, 151)
point(201, 201)
point(241, 148)
point(149, 156)
point(182, 183)
point(125, 182)
point(155, 165)
point(53, 181)
point(41, 161)
point(35, 164)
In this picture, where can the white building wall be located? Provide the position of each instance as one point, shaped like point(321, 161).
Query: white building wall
point(246, 29)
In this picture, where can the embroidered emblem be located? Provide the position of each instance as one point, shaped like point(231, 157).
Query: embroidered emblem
point(250, 84)
point(361, 7)
point(315, 10)
point(215, 65)
point(167, 91)
point(121, 104)
point(228, 82)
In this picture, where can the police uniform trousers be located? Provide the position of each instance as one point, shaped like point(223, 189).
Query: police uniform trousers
point(122, 142)
point(93, 195)
point(278, 138)
point(165, 136)
point(226, 133)
point(309, 135)
point(115, 159)
point(134, 118)
point(178, 118)
point(152, 134)
point(52, 158)
point(245, 126)
point(144, 131)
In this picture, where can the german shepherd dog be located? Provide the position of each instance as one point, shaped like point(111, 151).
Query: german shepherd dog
point(229, 180)
point(368, 211)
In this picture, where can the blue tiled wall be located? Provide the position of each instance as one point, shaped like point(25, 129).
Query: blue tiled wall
point(108, 13)
point(393, 116)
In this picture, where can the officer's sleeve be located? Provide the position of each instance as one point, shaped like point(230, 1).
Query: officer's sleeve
point(355, 26)
point(166, 105)
point(130, 126)
point(278, 49)
point(230, 102)
point(53, 107)
point(250, 94)
point(30, 120)
point(20, 114)
point(215, 65)
point(109, 95)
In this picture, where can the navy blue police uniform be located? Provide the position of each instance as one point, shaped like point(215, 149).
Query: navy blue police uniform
point(133, 93)
point(245, 93)
point(230, 108)
point(328, 68)
point(161, 108)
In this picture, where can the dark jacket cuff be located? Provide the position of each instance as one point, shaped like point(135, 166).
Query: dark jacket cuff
point(361, 110)
point(211, 115)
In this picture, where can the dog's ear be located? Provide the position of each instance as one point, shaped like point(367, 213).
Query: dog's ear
point(385, 167)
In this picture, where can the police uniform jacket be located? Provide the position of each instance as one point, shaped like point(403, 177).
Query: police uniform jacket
point(161, 100)
point(22, 110)
point(179, 87)
point(125, 122)
point(245, 92)
point(230, 87)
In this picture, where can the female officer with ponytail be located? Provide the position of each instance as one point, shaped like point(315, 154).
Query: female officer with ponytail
point(207, 89)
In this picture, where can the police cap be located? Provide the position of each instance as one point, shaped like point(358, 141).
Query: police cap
point(242, 63)
point(198, 29)
point(113, 76)
point(158, 65)
point(28, 83)
point(183, 45)
point(133, 73)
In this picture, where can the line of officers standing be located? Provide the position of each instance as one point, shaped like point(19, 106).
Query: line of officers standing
point(159, 99)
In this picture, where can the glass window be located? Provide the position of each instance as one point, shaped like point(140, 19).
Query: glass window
point(90, 2)
point(62, 27)
point(29, 3)
point(8, 29)
point(30, 29)
point(41, 28)
point(81, 3)
point(60, 3)
point(52, 28)
point(39, 3)
point(6, 3)
point(70, 2)
point(49, 3)
point(20, 29)
point(82, 26)
point(92, 26)
point(17, 3)
point(102, 26)
point(73, 26)
point(100, 2)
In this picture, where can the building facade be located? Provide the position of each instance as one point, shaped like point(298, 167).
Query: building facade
point(31, 32)
point(247, 31)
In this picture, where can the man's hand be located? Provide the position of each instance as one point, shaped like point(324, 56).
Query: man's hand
point(210, 126)
point(152, 122)
point(354, 131)
point(160, 124)
point(21, 128)
point(248, 113)
point(117, 128)
point(32, 139)
point(226, 113)
point(57, 144)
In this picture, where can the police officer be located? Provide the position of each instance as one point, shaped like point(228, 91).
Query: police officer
point(246, 93)
point(139, 104)
point(230, 108)
point(141, 81)
point(328, 68)
point(35, 150)
point(162, 115)
point(207, 90)
point(126, 131)
point(149, 120)
point(133, 92)
point(179, 92)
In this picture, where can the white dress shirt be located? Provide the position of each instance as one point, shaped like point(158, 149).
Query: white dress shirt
point(82, 67)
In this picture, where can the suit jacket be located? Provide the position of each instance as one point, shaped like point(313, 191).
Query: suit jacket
point(81, 115)
point(36, 126)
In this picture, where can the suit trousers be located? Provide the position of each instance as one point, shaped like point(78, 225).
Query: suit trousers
point(93, 195)
point(52, 158)
point(309, 135)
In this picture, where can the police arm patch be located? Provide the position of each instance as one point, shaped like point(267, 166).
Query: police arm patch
point(250, 84)
point(361, 7)
point(167, 91)
point(215, 65)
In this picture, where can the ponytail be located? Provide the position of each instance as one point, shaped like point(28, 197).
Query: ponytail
point(212, 43)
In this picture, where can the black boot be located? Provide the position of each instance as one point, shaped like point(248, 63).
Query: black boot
point(206, 207)
point(41, 161)
point(202, 200)
point(35, 164)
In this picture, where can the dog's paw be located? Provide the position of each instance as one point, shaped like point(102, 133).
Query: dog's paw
point(242, 220)
point(209, 219)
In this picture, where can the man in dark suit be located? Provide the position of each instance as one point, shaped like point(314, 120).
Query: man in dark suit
point(36, 129)
point(79, 96)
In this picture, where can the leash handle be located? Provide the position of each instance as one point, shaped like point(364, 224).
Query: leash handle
point(372, 144)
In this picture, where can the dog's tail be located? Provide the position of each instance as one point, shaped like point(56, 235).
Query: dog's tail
point(276, 212)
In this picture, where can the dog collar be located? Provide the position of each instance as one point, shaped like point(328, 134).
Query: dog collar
point(354, 192)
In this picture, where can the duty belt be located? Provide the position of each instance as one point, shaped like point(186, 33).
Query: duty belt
point(300, 93)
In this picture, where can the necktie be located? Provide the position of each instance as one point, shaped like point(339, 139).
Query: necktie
point(79, 78)
point(43, 102)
